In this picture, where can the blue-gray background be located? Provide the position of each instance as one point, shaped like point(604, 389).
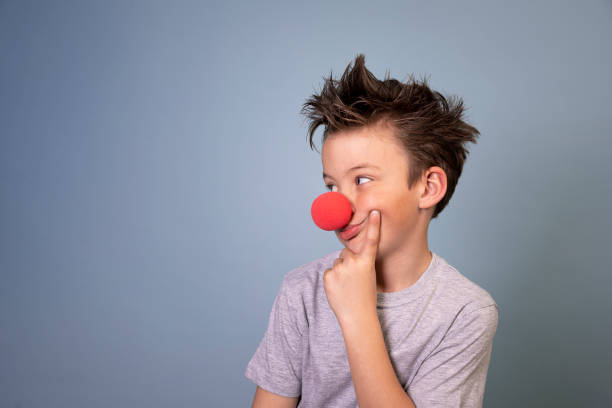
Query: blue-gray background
point(157, 182)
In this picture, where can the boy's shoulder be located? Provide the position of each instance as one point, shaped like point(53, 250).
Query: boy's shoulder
point(306, 277)
point(453, 290)
point(460, 290)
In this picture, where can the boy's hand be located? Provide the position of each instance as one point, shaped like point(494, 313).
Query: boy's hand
point(350, 285)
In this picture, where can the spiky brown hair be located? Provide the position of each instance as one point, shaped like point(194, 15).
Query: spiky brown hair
point(429, 126)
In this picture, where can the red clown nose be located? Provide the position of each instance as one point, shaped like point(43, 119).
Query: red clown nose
point(331, 211)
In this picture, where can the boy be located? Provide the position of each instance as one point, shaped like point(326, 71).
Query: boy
point(384, 322)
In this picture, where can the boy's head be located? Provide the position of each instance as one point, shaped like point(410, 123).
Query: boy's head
point(414, 135)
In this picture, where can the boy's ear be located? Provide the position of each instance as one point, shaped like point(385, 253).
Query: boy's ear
point(434, 187)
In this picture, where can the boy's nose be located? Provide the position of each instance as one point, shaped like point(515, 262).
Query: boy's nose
point(331, 211)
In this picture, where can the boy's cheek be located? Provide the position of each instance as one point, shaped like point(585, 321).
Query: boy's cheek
point(371, 202)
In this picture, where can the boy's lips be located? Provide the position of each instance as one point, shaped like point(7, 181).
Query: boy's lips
point(350, 231)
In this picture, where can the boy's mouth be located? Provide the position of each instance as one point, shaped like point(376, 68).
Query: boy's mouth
point(350, 231)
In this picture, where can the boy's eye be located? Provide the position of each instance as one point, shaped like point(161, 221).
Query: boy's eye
point(329, 186)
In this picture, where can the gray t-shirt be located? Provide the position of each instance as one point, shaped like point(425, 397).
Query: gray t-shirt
point(438, 333)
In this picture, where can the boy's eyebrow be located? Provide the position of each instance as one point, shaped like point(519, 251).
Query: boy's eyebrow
point(359, 166)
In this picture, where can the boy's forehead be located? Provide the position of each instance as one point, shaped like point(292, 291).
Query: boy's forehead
point(350, 148)
point(341, 150)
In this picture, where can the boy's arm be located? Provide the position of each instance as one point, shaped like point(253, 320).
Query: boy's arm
point(276, 365)
point(376, 384)
point(267, 399)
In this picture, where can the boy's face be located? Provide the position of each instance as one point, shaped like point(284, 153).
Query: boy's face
point(383, 187)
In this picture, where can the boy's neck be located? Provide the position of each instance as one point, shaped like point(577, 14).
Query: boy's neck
point(402, 268)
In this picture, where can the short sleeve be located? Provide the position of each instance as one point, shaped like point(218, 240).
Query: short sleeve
point(276, 365)
point(454, 374)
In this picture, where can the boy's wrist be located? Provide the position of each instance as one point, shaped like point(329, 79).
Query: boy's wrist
point(357, 323)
